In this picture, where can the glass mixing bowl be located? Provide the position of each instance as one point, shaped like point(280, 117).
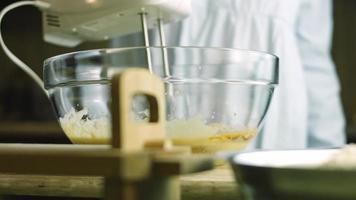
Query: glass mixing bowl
point(216, 97)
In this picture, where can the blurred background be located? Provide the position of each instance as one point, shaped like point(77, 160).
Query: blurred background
point(27, 116)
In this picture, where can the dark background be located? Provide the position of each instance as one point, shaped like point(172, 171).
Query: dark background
point(26, 114)
point(344, 54)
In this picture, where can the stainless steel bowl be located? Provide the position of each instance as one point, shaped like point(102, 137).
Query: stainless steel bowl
point(292, 175)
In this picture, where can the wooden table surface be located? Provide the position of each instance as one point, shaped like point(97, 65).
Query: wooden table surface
point(215, 184)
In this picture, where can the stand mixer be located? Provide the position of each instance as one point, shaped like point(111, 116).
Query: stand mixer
point(78, 83)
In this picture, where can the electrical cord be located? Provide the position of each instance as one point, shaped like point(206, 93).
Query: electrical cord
point(11, 55)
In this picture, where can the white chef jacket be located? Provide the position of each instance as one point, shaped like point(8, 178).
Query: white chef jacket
point(305, 110)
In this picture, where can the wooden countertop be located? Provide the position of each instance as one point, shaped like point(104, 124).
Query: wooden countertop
point(218, 184)
point(214, 184)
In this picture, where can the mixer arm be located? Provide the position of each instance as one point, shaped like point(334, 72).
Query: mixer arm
point(68, 23)
point(94, 20)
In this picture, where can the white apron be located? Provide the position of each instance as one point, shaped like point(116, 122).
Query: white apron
point(306, 109)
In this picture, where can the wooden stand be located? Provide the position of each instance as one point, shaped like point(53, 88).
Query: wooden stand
point(139, 164)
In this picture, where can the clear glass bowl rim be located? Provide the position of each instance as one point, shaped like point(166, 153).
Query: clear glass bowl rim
point(260, 53)
point(239, 52)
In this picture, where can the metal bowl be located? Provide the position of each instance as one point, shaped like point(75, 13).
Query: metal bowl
point(292, 175)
